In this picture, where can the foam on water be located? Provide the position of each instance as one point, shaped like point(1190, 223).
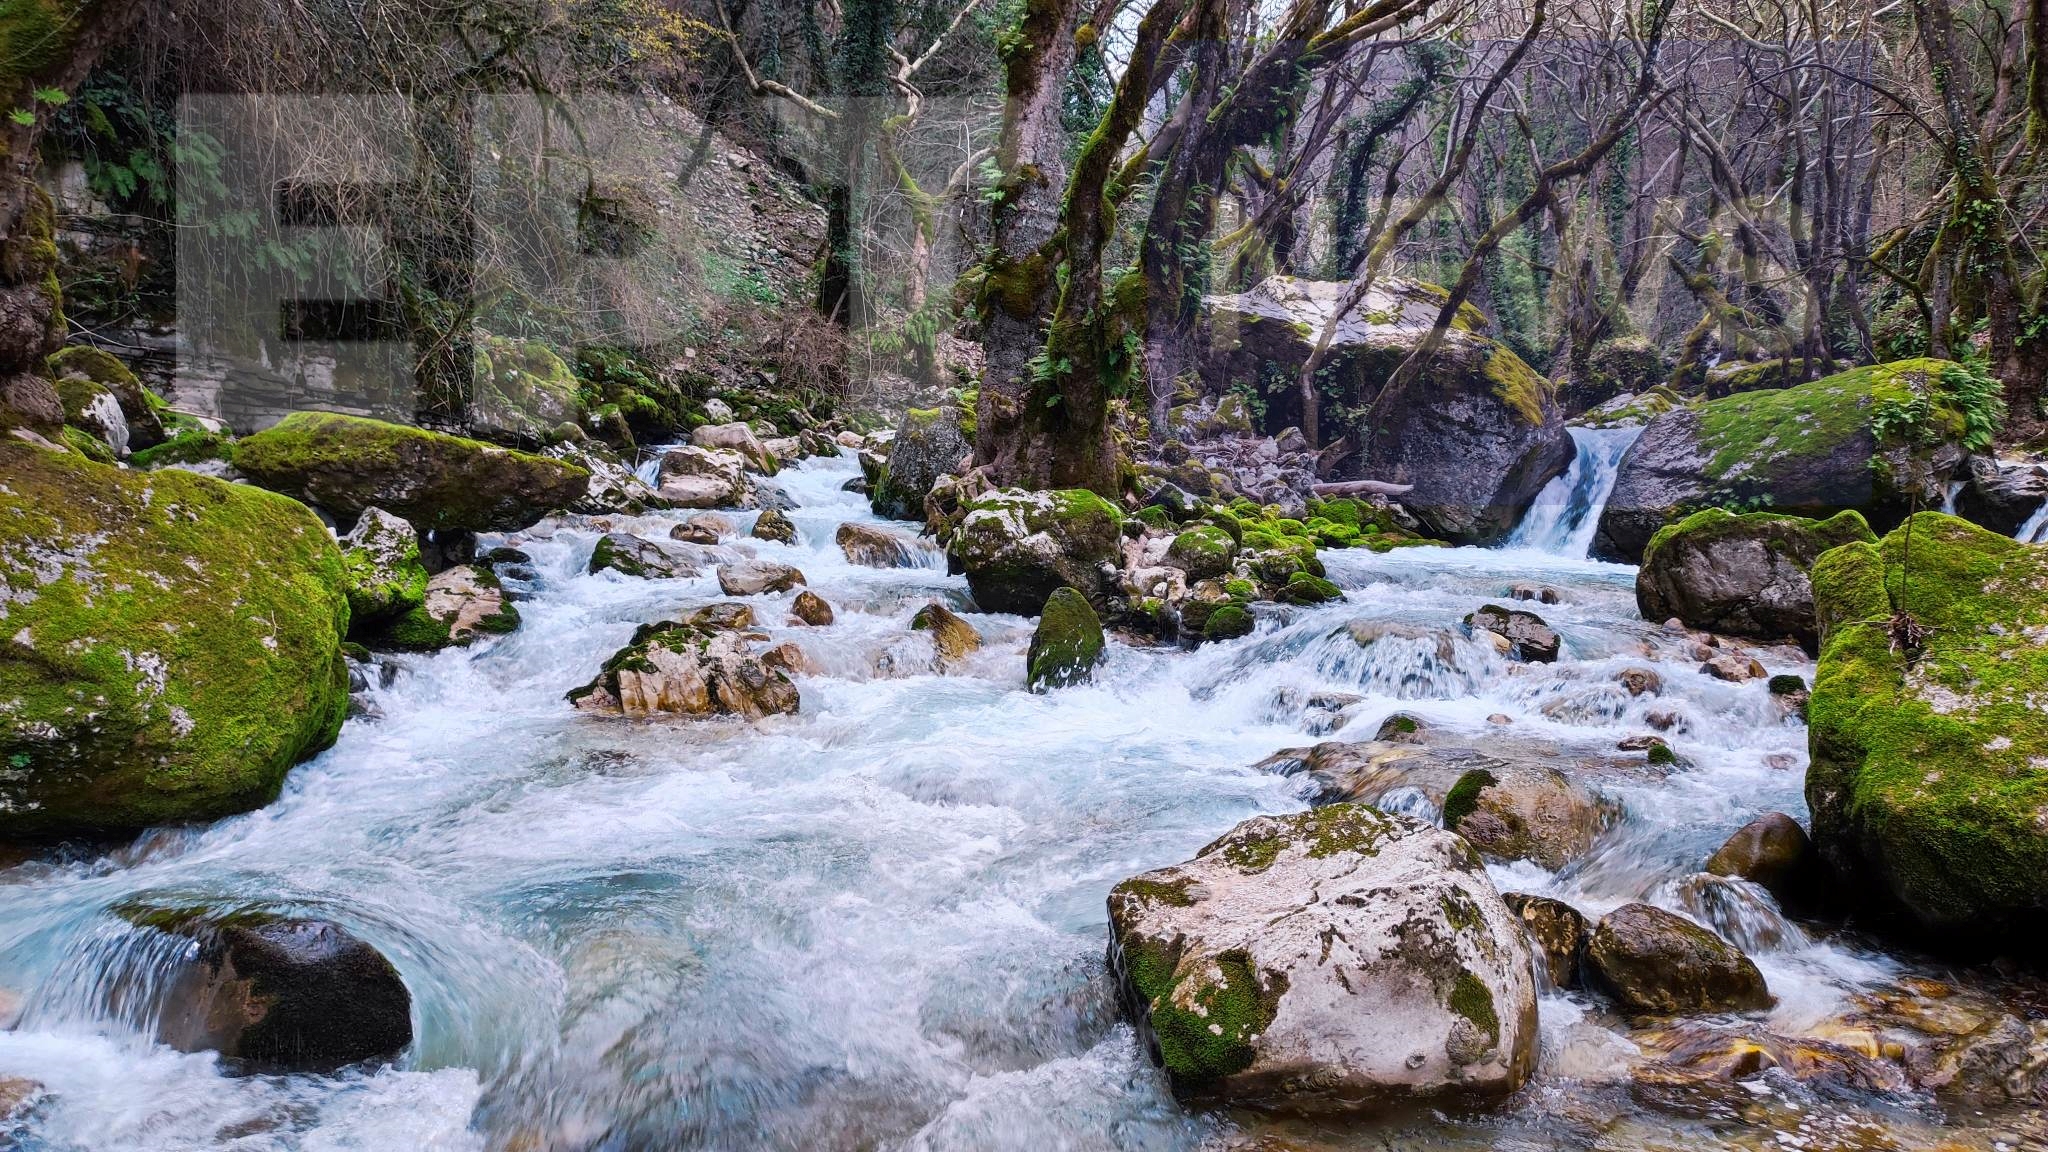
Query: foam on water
point(878, 923)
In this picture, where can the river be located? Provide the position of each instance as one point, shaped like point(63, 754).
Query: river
point(879, 923)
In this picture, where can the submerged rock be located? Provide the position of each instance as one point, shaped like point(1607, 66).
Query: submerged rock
point(699, 667)
point(1017, 547)
point(954, 638)
point(1741, 575)
point(279, 994)
point(753, 577)
point(872, 547)
point(346, 464)
point(1339, 960)
point(1926, 781)
point(1067, 644)
point(170, 644)
point(1528, 637)
point(1811, 450)
point(929, 443)
point(1660, 963)
point(812, 609)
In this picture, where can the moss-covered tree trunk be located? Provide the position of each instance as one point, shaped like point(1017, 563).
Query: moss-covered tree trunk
point(46, 46)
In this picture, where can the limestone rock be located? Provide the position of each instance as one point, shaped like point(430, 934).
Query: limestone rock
point(695, 477)
point(1660, 963)
point(1016, 547)
point(753, 577)
point(689, 668)
point(1336, 961)
point(1741, 575)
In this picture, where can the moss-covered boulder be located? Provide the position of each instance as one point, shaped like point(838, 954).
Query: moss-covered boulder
point(1017, 547)
point(1872, 440)
point(172, 644)
point(523, 391)
point(345, 464)
point(1202, 551)
point(929, 443)
point(462, 604)
point(141, 409)
point(1741, 575)
point(1928, 780)
point(1340, 960)
point(1478, 434)
point(93, 409)
point(386, 578)
point(1067, 643)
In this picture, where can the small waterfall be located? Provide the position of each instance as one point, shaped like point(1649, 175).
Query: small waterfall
point(1949, 494)
point(2035, 530)
point(1567, 512)
point(649, 470)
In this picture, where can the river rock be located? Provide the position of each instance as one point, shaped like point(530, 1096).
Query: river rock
point(1772, 851)
point(688, 668)
point(929, 443)
point(1659, 963)
point(386, 578)
point(1734, 667)
point(2004, 493)
point(279, 994)
point(1528, 637)
point(954, 638)
point(1557, 930)
point(753, 577)
point(737, 437)
point(170, 644)
point(1335, 961)
point(1925, 779)
point(1741, 575)
point(346, 464)
point(1479, 434)
point(774, 524)
point(631, 555)
point(1067, 644)
point(614, 487)
point(1810, 450)
point(1640, 681)
point(1203, 552)
point(1017, 547)
point(17, 1096)
point(462, 604)
point(1524, 812)
point(693, 477)
point(872, 547)
point(812, 609)
point(141, 410)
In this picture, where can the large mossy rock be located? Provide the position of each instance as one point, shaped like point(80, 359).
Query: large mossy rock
point(142, 409)
point(172, 644)
point(929, 443)
point(1928, 781)
point(277, 994)
point(386, 577)
point(1741, 575)
point(1811, 450)
point(346, 464)
point(1067, 644)
point(1338, 960)
point(1478, 434)
point(524, 391)
point(1017, 547)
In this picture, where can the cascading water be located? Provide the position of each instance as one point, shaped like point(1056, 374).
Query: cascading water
point(2035, 530)
point(879, 923)
point(1566, 514)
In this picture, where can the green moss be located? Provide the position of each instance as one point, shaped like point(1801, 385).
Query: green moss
point(1927, 763)
point(1067, 644)
point(88, 445)
point(1463, 798)
point(1809, 420)
point(416, 631)
point(1789, 533)
point(1662, 754)
point(1519, 386)
point(1228, 623)
point(172, 643)
point(1172, 893)
point(190, 445)
point(1303, 588)
point(1470, 999)
point(1226, 1010)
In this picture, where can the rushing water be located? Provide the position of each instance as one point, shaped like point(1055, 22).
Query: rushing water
point(879, 923)
point(2035, 530)
point(1566, 512)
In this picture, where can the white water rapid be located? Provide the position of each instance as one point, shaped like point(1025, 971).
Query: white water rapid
point(2035, 530)
point(1566, 512)
point(879, 923)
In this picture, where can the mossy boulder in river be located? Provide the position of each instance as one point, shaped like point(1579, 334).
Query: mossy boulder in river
point(929, 443)
point(1478, 433)
point(345, 464)
point(1871, 439)
point(172, 644)
point(1017, 547)
point(1338, 960)
point(1928, 780)
point(1067, 644)
point(1741, 575)
point(386, 578)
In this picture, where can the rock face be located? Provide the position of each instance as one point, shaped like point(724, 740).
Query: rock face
point(385, 576)
point(1067, 643)
point(1741, 575)
point(1925, 782)
point(170, 645)
point(690, 668)
point(1810, 450)
point(1658, 962)
point(1479, 435)
point(1339, 960)
point(277, 994)
point(346, 464)
point(1018, 547)
point(929, 443)
point(872, 547)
